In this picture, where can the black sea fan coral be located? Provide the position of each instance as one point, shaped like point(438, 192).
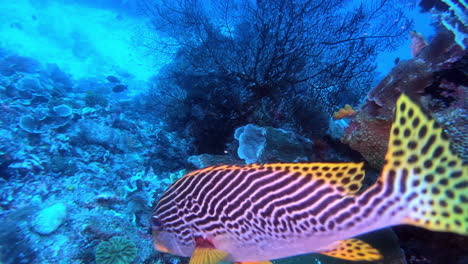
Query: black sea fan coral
point(118, 250)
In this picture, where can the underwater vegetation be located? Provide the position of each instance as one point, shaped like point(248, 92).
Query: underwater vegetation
point(245, 65)
point(88, 148)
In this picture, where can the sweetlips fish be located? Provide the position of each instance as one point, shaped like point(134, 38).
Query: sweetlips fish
point(259, 212)
point(112, 79)
point(119, 88)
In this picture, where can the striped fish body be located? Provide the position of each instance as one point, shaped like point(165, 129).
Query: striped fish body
point(263, 212)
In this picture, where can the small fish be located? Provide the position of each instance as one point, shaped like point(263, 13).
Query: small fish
point(112, 79)
point(119, 88)
point(255, 213)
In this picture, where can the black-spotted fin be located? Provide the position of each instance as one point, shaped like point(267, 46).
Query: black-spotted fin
point(262, 212)
point(354, 250)
point(346, 178)
point(432, 181)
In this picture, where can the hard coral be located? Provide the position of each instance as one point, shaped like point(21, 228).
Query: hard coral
point(436, 78)
point(118, 250)
point(418, 43)
point(12, 64)
point(454, 121)
point(94, 99)
point(16, 246)
point(41, 122)
point(63, 110)
point(369, 136)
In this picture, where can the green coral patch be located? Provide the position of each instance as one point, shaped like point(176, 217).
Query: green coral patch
point(118, 250)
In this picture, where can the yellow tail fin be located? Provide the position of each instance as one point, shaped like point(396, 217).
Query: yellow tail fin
point(434, 180)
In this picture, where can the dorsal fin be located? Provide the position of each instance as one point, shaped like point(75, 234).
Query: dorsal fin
point(346, 177)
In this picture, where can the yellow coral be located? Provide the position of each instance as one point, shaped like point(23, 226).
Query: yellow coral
point(346, 111)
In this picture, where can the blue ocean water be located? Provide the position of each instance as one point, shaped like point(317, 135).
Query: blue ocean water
point(104, 104)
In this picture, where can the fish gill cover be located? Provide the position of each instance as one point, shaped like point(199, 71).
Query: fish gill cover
point(104, 104)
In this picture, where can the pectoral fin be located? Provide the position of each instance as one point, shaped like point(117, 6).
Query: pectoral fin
point(207, 256)
point(354, 250)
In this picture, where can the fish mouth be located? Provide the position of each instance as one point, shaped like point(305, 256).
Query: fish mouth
point(158, 237)
point(161, 248)
point(166, 243)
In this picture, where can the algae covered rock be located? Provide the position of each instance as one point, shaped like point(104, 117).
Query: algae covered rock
point(437, 79)
point(96, 133)
point(268, 144)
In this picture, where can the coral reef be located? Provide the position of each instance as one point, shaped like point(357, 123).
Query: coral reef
point(267, 144)
point(13, 64)
point(437, 78)
point(49, 219)
point(369, 136)
point(206, 160)
point(418, 43)
point(16, 245)
point(93, 99)
point(336, 127)
point(251, 142)
point(83, 160)
point(44, 119)
point(346, 111)
point(118, 250)
point(90, 173)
